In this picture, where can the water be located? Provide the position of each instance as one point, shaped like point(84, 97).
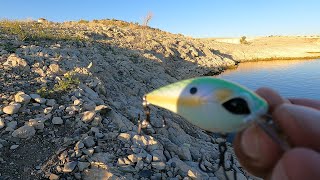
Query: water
point(291, 78)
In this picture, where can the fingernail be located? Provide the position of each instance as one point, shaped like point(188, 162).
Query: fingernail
point(279, 172)
point(250, 142)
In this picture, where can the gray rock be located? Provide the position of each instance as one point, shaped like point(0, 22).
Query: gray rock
point(89, 106)
point(35, 96)
point(89, 141)
point(127, 169)
point(57, 120)
point(51, 102)
point(14, 61)
point(21, 97)
point(12, 109)
point(103, 109)
point(158, 165)
point(83, 165)
point(14, 147)
point(186, 170)
point(79, 145)
point(97, 174)
point(24, 132)
point(12, 124)
point(69, 167)
point(36, 124)
point(40, 100)
point(88, 116)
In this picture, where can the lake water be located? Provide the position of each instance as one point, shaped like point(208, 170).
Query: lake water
point(291, 78)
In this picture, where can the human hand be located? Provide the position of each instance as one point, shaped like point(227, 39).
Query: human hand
point(299, 119)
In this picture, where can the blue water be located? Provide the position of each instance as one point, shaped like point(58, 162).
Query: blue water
point(291, 78)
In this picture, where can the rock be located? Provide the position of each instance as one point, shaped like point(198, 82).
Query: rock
point(14, 147)
point(158, 165)
point(127, 169)
point(77, 175)
point(139, 165)
point(83, 165)
point(89, 141)
point(21, 97)
point(148, 158)
point(124, 137)
point(134, 158)
point(145, 173)
point(157, 155)
point(57, 120)
point(24, 132)
point(69, 167)
point(40, 100)
point(36, 124)
point(35, 96)
point(97, 174)
point(103, 109)
point(89, 106)
point(2, 123)
point(53, 177)
point(12, 124)
point(47, 110)
point(77, 102)
point(88, 116)
point(51, 102)
point(79, 145)
point(55, 68)
point(12, 109)
point(14, 61)
point(186, 170)
point(88, 152)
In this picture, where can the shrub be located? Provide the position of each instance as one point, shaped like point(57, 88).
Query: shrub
point(243, 40)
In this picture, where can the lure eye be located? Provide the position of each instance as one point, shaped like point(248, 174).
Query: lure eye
point(237, 106)
point(193, 90)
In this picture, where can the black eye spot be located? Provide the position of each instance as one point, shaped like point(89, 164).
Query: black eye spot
point(237, 106)
point(193, 90)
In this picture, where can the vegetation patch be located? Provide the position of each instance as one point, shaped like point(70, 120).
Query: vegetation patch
point(67, 83)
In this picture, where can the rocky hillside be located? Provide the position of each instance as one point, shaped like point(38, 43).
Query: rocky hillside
point(71, 94)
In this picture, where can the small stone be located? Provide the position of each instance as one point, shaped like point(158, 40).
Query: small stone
point(34, 96)
point(148, 159)
point(12, 109)
point(103, 109)
point(158, 165)
point(145, 173)
point(36, 124)
point(77, 175)
point(89, 141)
point(2, 123)
point(88, 116)
point(51, 102)
point(83, 165)
point(125, 137)
point(12, 124)
point(89, 106)
point(139, 165)
point(21, 97)
point(24, 132)
point(127, 168)
point(88, 152)
point(69, 167)
point(57, 120)
point(47, 110)
point(77, 102)
point(14, 147)
point(40, 100)
point(79, 145)
point(53, 177)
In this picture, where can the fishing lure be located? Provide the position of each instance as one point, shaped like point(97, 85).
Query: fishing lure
point(212, 104)
point(215, 105)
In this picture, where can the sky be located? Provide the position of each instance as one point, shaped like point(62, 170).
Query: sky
point(197, 18)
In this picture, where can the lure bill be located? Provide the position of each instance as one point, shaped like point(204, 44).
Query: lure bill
point(213, 104)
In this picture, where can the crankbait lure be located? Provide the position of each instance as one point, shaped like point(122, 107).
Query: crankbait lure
point(215, 105)
point(212, 104)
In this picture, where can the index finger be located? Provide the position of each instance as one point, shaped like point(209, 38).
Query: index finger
point(306, 102)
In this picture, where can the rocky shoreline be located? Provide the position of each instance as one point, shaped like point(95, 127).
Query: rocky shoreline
point(71, 93)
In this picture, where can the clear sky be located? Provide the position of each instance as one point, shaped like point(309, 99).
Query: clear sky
point(198, 18)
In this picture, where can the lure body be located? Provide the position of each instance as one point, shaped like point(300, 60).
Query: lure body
point(210, 103)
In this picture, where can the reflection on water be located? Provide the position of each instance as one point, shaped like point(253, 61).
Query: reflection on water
point(291, 78)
